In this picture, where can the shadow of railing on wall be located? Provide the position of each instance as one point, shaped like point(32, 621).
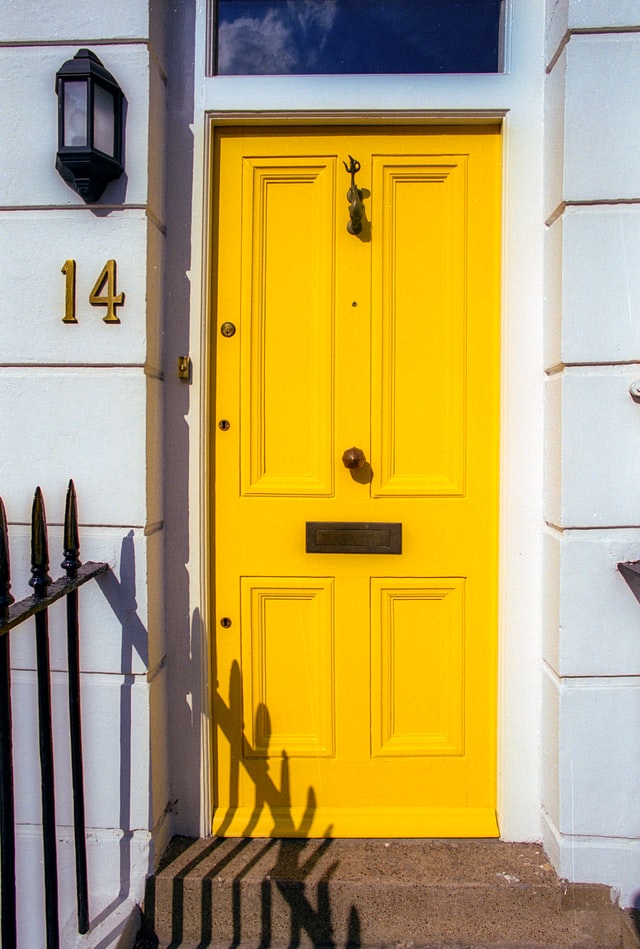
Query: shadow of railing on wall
point(12, 615)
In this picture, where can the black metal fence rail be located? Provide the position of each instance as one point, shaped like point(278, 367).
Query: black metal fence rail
point(12, 614)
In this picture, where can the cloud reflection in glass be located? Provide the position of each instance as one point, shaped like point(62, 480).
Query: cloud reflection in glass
point(303, 37)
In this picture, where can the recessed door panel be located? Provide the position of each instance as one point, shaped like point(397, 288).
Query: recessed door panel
point(417, 660)
point(418, 334)
point(287, 639)
point(287, 305)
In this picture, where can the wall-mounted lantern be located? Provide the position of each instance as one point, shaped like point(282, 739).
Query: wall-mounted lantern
point(90, 125)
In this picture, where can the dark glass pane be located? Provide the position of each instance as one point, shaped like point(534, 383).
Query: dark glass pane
point(280, 37)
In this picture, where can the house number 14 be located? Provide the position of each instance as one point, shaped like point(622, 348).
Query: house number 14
point(98, 297)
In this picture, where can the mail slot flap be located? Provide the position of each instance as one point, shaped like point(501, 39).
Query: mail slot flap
point(353, 537)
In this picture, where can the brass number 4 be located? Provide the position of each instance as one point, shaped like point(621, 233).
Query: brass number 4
point(110, 300)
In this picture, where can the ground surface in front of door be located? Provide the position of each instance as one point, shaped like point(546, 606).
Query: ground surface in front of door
point(468, 894)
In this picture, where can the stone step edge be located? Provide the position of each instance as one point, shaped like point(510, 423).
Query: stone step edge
point(589, 919)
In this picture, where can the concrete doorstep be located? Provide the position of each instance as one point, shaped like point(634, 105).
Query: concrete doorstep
point(459, 894)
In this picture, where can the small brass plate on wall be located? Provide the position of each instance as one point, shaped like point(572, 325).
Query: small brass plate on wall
point(357, 537)
point(184, 368)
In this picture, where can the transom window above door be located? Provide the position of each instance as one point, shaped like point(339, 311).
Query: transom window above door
point(321, 37)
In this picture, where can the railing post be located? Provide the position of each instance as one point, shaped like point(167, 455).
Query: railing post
point(40, 580)
point(70, 564)
point(8, 928)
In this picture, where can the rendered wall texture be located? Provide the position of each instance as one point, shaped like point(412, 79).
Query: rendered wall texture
point(84, 401)
point(591, 756)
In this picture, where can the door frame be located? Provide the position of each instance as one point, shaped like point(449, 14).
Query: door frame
point(203, 101)
point(516, 592)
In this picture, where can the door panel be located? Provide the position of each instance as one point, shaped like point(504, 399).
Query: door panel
point(298, 719)
point(417, 667)
point(418, 311)
point(356, 692)
point(287, 344)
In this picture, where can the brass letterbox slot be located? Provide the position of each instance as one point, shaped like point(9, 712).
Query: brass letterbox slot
point(353, 537)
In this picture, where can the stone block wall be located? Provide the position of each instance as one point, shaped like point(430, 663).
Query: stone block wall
point(591, 722)
point(84, 401)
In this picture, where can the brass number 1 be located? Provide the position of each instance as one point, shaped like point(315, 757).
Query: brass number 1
point(69, 271)
point(111, 300)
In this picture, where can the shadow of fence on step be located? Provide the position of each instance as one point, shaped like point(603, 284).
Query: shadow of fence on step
point(204, 868)
point(284, 866)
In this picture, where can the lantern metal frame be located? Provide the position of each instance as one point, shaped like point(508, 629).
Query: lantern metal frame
point(86, 168)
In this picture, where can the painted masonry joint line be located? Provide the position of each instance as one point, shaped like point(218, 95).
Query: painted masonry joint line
point(591, 527)
point(73, 207)
point(587, 31)
point(590, 203)
point(608, 681)
point(118, 41)
point(76, 365)
point(559, 367)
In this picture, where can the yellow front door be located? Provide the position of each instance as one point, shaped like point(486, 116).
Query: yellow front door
point(355, 608)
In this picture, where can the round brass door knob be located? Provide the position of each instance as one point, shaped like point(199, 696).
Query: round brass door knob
point(353, 458)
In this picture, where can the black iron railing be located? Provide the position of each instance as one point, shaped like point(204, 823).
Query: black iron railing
point(45, 592)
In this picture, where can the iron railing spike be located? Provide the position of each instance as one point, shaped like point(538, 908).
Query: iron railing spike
point(40, 579)
point(5, 568)
point(71, 560)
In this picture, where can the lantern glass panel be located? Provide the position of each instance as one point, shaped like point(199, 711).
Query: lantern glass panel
point(103, 120)
point(75, 113)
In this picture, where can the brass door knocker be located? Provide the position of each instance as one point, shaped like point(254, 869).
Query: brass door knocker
point(354, 197)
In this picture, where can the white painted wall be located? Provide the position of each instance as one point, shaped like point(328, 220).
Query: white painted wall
point(85, 401)
point(591, 711)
